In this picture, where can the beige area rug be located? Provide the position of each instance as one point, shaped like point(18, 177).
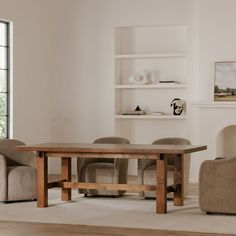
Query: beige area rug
point(129, 211)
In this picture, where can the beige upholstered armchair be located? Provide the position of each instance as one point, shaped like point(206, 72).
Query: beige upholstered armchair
point(103, 170)
point(147, 168)
point(217, 186)
point(17, 172)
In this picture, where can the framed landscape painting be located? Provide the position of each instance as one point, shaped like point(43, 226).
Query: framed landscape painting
point(225, 81)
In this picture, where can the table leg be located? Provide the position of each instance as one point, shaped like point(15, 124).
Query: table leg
point(66, 174)
point(161, 189)
point(42, 180)
point(179, 180)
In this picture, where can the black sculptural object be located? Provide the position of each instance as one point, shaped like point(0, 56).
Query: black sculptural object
point(178, 106)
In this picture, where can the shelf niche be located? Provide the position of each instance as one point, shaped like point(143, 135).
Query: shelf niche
point(162, 51)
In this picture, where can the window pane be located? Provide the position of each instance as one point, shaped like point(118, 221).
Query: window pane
point(3, 34)
point(3, 58)
point(3, 81)
point(3, 126)
point(4, 78)
point(3, 104)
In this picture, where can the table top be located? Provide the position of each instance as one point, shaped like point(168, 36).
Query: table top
point(111, 148)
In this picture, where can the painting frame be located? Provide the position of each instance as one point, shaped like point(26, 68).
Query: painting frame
point(225, 81)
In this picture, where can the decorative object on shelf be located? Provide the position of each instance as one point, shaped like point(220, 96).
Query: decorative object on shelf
point(144, 77)
point(225, 81)
point(178, 106)
point(138, 108)
point(168, 82)
point(137, 111)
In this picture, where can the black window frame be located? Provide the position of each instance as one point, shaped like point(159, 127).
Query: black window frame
point(8, 72)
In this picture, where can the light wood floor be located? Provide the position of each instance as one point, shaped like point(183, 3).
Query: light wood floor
point(14, 228)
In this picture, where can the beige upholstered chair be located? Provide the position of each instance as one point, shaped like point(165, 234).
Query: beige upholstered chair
point(217, 186)
point(103, 170)
point(17, 172)
point(147, 168)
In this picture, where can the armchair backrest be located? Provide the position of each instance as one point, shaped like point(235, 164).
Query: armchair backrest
point(14, 158)
point(172, 141)
point(144, 163)
point(112, 140)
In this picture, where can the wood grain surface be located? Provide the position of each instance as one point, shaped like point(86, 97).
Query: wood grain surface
point(16, 228)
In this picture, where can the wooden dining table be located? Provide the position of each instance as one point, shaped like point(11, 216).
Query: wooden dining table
point(67, 151)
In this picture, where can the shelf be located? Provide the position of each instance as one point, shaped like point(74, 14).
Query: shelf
point(152, 55)
point(153, 117)
point(151, 86)
point(162, 51)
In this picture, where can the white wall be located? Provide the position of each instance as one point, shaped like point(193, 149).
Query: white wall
point(84, 66)
point(87, 111)
point(64, 64)
point(64, 67)
point(31, 68)
point(83, 102)
point(217, 36)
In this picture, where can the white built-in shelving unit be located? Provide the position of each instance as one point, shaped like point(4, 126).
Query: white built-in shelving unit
point(162, 51)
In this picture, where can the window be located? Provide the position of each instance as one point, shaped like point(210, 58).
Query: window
point(4, 79)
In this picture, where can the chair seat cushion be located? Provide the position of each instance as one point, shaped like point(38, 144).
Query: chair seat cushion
point(21, 183)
